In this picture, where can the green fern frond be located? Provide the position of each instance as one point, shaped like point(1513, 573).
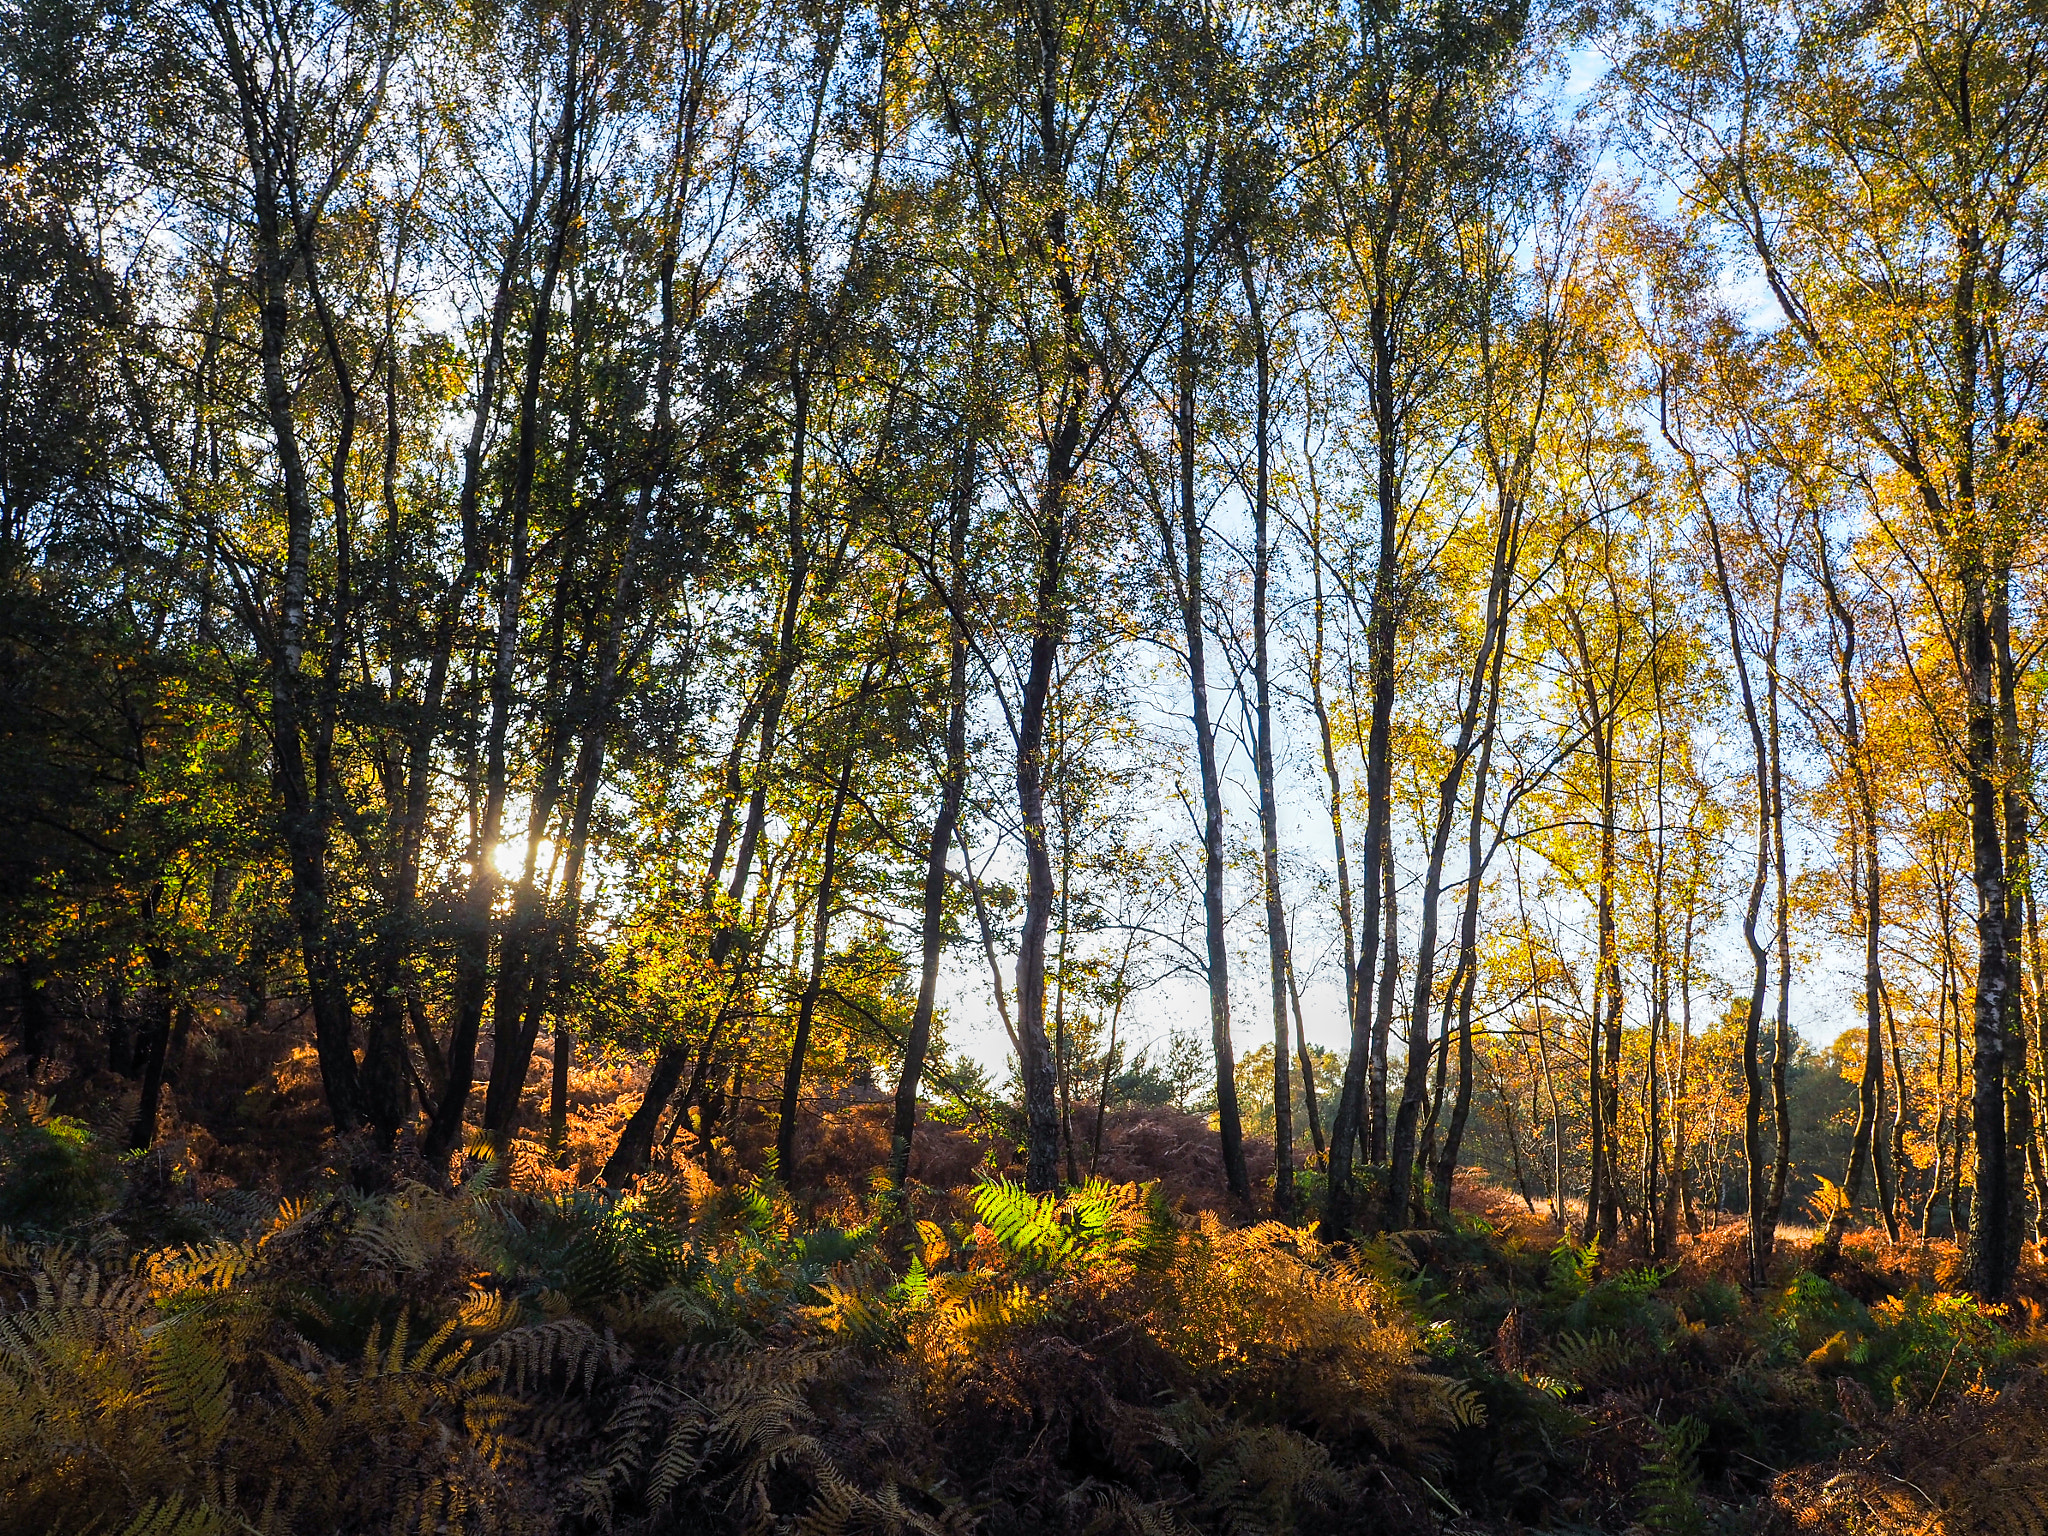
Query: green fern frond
point(1582, 1357)
point(1089, 1226)
point(1670, 1483)
point(1572, 1265)
point(1021, 1222)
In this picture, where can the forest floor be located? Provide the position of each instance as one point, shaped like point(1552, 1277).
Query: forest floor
point(227, 1334)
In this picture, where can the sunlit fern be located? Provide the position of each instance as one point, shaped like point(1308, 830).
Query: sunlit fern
point(1097, 1223)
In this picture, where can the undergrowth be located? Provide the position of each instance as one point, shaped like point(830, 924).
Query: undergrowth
point(696, 1356)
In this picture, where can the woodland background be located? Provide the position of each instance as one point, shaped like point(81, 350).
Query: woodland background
point(1432, 606)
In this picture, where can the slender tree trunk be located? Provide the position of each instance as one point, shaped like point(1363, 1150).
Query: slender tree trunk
point(1557, 1197)
point(558, 1091)
point(952, 790)
point(807, 1007)
point(1053, 533)
point(156, 1042)
point(1425, 1158)
point(1062, 1054)
point(1494, 654)
point(1901, 1163)
point(34, 1015)
point(1188, 578)
point(1868, 1085)
point(1863, 1147)
point(1102, 1095)
point(1941, 1119)
point(1762, 1229)
point(1386, 597)
point(383, 1079)
point(1384, 325)
point(1681, 1098)
point(1041, 1091)
point(1308, 1071)
point(1992, 1220)
point(1659, 1234)
point(1991, 1264)
point(1331, 776)
point(2015, 787)
point(1781, 1045)
point(1048, 619)
point(2040, 1020)
point(988, 945)
point(1269, 804)
point(1599, 708)
point(1608, 1077)
point(1377, 1130)
point(1415, 1083)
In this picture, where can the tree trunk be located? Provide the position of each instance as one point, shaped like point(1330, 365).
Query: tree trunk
point(156, 1042)
point(1269, 805)
point(1762, 1232)
point(1781, 1045)
point(1475, 868)
point(1041, 1091)
point(1607, 1076)
point(1378, 1130)
point(2015, 786)
point(1863, 1149)
point(1335, 781)
point(1053, 532)
point(1869, 1084)
point(821, 924)
point(383, 1079)
point(1187, 575)
point(1991, 1264)
point(1062, 1055)
point(952, 790)
point(1308, 1071)
point(1477, 704)
point(33, 1013)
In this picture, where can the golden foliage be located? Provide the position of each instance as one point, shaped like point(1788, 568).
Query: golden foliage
point(1294, 1331)
point(177, 1396)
